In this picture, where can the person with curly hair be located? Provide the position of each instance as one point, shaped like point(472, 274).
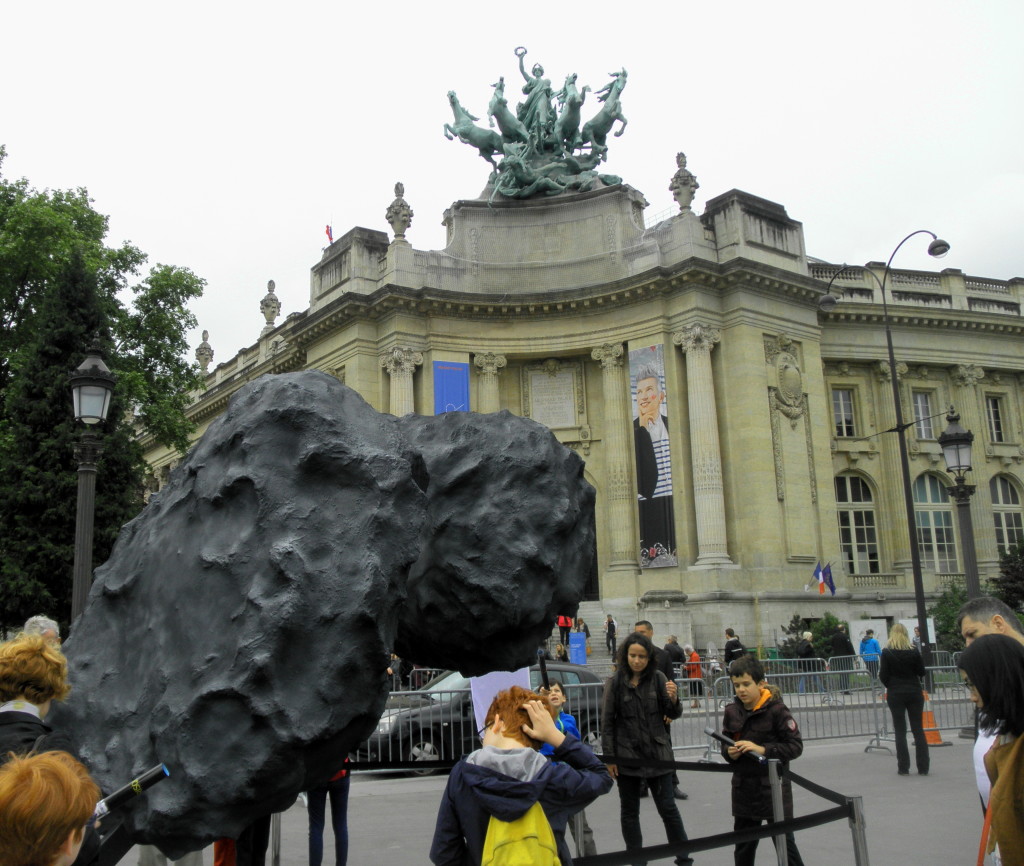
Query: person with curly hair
point(45, 802)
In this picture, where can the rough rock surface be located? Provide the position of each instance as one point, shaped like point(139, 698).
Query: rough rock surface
point(508, 541)
point(239, 631)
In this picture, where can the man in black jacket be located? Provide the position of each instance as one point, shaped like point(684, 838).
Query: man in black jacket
point(842, 657)
point(733, 648)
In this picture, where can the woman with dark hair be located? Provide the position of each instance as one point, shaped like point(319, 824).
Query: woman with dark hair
point(992, 668)
point(637, 700)
point(900, 673)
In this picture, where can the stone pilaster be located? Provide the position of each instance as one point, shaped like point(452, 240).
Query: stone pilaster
point(697, 342)
point(621, 498)
point(401, 363)
point(489, 367)
point(895, 504)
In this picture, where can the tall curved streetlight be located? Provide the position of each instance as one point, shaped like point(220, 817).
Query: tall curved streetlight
point(92, 385)
point(937, 249)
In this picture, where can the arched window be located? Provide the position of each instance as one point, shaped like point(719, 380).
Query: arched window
point(935, 540)
point(1007, 513)
point(858, 537)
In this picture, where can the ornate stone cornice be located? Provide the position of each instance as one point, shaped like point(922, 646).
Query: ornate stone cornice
point(610, 355)
point(489, 364)
point(885, 373)
point(966, 375)
point(697, 338)
point(400, 360)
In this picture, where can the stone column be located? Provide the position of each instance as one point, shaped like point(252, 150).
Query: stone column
point(898, 531)
point(619, 445)
point(697, 342)
point(401, 363)
point(488, 367)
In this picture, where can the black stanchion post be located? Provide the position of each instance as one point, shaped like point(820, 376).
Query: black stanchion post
point(778, 810)
point(275, 839)
point(860, 836)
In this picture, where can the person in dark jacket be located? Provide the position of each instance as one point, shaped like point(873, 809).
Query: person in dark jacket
point(842, 658)
point(901, 671)
point(609, 633)
point(33, 674)
point(760, 724)
point(810, 664)
point(733, 647)
point(663, 662)
point(675, 652)
point(637, 699)
point(508, 775)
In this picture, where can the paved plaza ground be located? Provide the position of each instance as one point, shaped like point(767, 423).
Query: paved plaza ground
point(922, 821)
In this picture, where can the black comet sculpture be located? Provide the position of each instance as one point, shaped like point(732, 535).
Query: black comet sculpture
point(239, 632)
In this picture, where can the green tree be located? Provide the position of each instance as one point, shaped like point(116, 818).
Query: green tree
point(944, 613)
point(820, 629)
point(1009, 584)
point(38, 468)
point(60, 286)
point(793, 635)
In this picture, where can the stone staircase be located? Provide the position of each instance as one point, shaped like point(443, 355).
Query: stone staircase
point(593, 614)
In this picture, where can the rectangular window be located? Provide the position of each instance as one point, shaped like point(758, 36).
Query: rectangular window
point(923, 415)
point(842, 412)
point(994, 413)
point(1009, 530)
point(936, 542)
point(859, 541)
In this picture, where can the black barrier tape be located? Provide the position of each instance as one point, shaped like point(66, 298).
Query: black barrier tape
point(719, 840)
point(654, 852)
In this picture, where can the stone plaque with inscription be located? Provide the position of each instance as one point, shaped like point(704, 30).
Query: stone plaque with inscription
point(553, 398)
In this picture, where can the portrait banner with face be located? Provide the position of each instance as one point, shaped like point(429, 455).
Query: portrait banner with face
point(653, 457)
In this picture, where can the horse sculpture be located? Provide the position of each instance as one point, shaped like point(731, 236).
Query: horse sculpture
point(597, 128)
point(487, 141)
point(567, 127)
point(512, 128)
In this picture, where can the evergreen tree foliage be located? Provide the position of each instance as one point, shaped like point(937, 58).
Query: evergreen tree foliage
point(38, 491)
point(1009, 584)
point(821, 631)
point(60, 286)
point(944, 613)
point(794, 634)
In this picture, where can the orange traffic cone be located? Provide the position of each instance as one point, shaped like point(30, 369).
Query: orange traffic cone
point(931, 733)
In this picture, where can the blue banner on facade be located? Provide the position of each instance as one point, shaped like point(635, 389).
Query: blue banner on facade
point(451, 387)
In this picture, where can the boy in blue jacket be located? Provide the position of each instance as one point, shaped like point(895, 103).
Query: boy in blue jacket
point(566, 723)
point(508, 775)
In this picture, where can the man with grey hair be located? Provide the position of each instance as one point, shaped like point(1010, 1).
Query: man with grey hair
point(988, 615)
point(44, 626)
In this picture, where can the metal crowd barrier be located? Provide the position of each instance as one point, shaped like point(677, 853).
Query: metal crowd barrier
point(835, 703)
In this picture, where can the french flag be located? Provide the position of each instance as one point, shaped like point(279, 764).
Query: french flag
point(826, 576)
point(819, 576)
point(330, 235)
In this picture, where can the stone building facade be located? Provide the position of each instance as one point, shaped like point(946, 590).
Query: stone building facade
point(775, 408)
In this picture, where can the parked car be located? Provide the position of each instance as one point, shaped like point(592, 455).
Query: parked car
point(436, 722)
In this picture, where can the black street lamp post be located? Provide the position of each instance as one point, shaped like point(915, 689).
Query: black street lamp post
point(956, 448)
point(937, 249)
point(91, 387)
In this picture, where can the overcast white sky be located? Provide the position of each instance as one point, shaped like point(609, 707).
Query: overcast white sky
point(224, 136)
